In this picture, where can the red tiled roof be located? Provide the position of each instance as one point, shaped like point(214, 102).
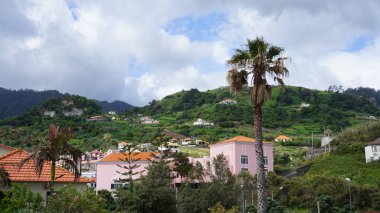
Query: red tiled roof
point(115, 157)
point(27, 172)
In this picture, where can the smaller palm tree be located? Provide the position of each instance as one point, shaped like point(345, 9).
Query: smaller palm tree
point(55, 149)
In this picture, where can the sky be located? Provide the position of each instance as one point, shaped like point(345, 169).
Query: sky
point(136, 51)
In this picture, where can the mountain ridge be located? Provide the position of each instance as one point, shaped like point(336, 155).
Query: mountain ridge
point(16, 102)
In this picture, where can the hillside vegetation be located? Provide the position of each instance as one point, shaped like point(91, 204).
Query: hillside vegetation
point(283, 112)
point(177, 112)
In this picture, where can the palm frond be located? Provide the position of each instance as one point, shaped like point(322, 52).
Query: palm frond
point(237, 80)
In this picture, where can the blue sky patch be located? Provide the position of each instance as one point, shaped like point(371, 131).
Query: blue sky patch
point(204, 28)
point(72, 7)
point(359, 43)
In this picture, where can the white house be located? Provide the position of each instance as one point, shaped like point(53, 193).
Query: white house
point(201, 122)
point(111, 112)
point(73, 112)
point(228, 101)
point(148, 120)
point(49, 113)
point(172, 147)
point(372, 151)
point(305, 105)
point(186, 141)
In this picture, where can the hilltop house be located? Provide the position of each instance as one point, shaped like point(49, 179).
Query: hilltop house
point(283, 138)
point(148, 120)
point(228, 101)
point(201, 122)
point(372, 151)
point(240, 153)
point(304, 105)
point(49, 113)
point(38, 183)
point(97, 118)
point(73, 112)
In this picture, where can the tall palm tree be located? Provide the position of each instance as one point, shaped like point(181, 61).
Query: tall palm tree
point(250, 66)
point(55, 149)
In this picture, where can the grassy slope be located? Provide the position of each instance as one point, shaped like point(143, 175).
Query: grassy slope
point(347, 165)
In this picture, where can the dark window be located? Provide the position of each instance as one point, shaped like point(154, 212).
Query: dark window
point(265, 161)
point(244, 159)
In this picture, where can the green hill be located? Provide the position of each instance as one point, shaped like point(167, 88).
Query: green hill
point(295, 111)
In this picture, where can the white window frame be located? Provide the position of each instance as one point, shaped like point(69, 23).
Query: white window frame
point(244, 159)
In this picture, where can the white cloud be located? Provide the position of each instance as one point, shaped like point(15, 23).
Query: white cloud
point(120, 49)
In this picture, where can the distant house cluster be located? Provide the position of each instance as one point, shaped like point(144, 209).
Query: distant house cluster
point(228, 101)
point(148, 120)
point(305, 105)
point(201, 122)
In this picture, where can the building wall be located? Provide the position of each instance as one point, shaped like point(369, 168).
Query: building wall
point(228, 150)
point(370, 154)
point(234, 150)
point(106, 172)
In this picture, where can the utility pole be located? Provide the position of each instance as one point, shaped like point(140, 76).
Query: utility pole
point(312, 139)
point(319, 210)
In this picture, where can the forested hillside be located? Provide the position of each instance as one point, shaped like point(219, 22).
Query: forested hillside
point(289, 108)
point(294, 111)
point(117, 106)
point(365, 92)
point(15, 102)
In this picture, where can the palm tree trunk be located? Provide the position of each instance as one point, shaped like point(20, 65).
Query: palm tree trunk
point(261, 199)
point(52, 176)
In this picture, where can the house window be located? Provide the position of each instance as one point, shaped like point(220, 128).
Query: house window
point(265, 161)
point(374, 148)
point(244, 159)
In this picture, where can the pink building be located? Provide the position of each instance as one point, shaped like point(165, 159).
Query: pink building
point(108, 171)
point(240, 152)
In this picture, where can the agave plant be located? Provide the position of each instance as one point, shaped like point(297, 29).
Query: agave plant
point(250, 68)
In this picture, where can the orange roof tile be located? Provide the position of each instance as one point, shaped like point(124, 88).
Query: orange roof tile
point(283, 137)
point(238, 139)
point(116, 157)
point(27, 172)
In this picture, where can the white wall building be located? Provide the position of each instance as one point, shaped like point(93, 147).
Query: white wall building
point(201, 122)
point(372, 151)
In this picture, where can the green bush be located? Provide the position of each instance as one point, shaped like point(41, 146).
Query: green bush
point(68, 199)
point(19, 198)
